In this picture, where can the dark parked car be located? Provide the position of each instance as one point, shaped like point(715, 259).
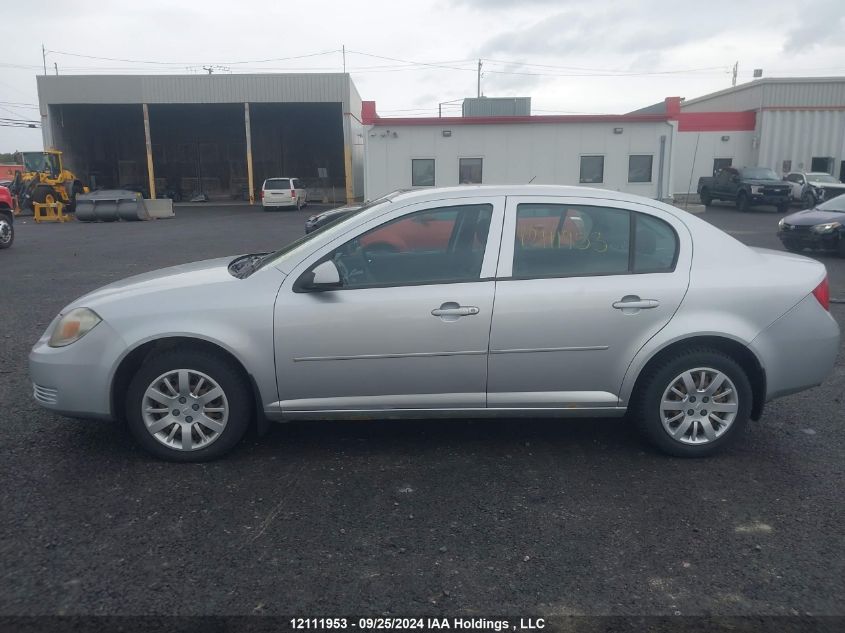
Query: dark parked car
point(821, 228)
point(747, 187)
point(327, 217)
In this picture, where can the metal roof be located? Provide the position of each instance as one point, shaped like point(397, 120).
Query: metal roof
point(773, 92)
point(219, 88)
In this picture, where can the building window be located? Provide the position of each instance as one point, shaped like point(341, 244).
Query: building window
point(721, 163)
point(422, 172)
point(469, 171)
point(639, 167)
point(822, 164)
point(592, 169)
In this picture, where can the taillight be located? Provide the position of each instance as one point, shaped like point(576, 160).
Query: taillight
point(293, 193)
point(822, 294)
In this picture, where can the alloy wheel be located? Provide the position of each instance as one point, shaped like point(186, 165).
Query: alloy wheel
point(5, 231)
point(185, 410)
point(699, 405)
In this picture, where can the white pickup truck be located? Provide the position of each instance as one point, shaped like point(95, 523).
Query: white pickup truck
point(811, 187)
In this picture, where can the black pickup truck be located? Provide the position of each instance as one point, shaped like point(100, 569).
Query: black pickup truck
point(747, 187)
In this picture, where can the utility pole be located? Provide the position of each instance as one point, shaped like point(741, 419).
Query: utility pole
point(479, 79)
point(733, 78)
point(343, 50)
point(208, 69)
point(56, 66)
point(44, 58)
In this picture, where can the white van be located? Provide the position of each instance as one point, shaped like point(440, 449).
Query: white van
point(283, 192)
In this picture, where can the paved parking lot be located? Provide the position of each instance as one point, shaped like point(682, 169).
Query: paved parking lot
point(505, 517)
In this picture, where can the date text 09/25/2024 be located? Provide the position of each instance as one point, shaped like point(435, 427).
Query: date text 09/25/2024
point(417, 624)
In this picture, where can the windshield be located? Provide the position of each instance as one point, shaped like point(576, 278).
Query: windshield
point(294, 248)
point(822, 178)
point(41, 162)
point(274, 184)
point(759, 173)
point(836, 205)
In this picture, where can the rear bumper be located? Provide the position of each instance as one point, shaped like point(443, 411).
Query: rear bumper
point(799, 350)
point(278, 203)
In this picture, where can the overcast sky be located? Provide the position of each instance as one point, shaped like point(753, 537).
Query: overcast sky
point(629, 53)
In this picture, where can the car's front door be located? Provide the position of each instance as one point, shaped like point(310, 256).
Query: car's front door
point(409, 327)
point(582, 284)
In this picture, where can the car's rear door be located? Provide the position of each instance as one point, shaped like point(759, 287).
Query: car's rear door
point(577, 297)
point(409, 328)
point(277, 190)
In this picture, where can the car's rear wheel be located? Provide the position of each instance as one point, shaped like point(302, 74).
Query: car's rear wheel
point(188, 405)
point(695, 403)
point(742, 202)
point(705, 197)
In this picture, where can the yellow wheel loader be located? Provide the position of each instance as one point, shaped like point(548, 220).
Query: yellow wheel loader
point(45, 179)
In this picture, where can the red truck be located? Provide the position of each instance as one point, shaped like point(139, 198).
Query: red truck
point(7, 219)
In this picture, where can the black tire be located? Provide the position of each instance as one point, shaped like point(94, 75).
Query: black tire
point(841, 246)
point(221, 370)
point(705, 197)
point(743, 204)
point(652, 386)
point(42, 192)
point(808, 200)
point(75, 190)
point(7, 229)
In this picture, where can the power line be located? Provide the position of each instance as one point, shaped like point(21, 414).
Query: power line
point(193, 63)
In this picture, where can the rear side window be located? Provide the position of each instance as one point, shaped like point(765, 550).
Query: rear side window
point(556, 240)
point(272, 184)
point(655, 245)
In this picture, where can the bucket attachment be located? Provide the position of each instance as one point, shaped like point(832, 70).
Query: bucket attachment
point(110, 205)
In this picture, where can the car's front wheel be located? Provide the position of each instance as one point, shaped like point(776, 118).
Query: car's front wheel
point(188, 405)
point(694, 403)
point(7, 230)
point(743, 203)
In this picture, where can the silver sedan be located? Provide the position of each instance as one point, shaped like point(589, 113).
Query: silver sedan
point(458, 302)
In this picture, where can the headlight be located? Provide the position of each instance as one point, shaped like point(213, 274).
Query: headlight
point(756, 189)
point(780, 223)
point(73, 326)
point(826, 228)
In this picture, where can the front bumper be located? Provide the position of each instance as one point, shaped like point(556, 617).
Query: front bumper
point(76, 380)
point(759, 198)
point(799, 237)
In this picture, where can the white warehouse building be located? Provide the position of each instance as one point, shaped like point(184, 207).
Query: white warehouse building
point(661, 151)
point(628, 153)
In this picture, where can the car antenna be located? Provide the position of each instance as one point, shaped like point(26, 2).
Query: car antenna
point(532, 179)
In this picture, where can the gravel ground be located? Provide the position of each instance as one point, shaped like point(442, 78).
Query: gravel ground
point(503, 517)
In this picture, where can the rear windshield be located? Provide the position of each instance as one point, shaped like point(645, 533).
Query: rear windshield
point(277, 183)
point(822, 178)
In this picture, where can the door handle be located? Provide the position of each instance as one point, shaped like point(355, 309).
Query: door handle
point(455, 312)
point(633, 302)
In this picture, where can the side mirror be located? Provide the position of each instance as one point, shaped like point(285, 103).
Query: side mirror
point(324, 276)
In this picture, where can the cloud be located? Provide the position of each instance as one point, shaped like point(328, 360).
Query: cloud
point(819, 25)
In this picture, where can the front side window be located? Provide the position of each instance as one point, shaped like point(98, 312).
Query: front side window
point(443, 245)
point(639, 167)
point(469, 171)
point(422, 172)
point(592, 169)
